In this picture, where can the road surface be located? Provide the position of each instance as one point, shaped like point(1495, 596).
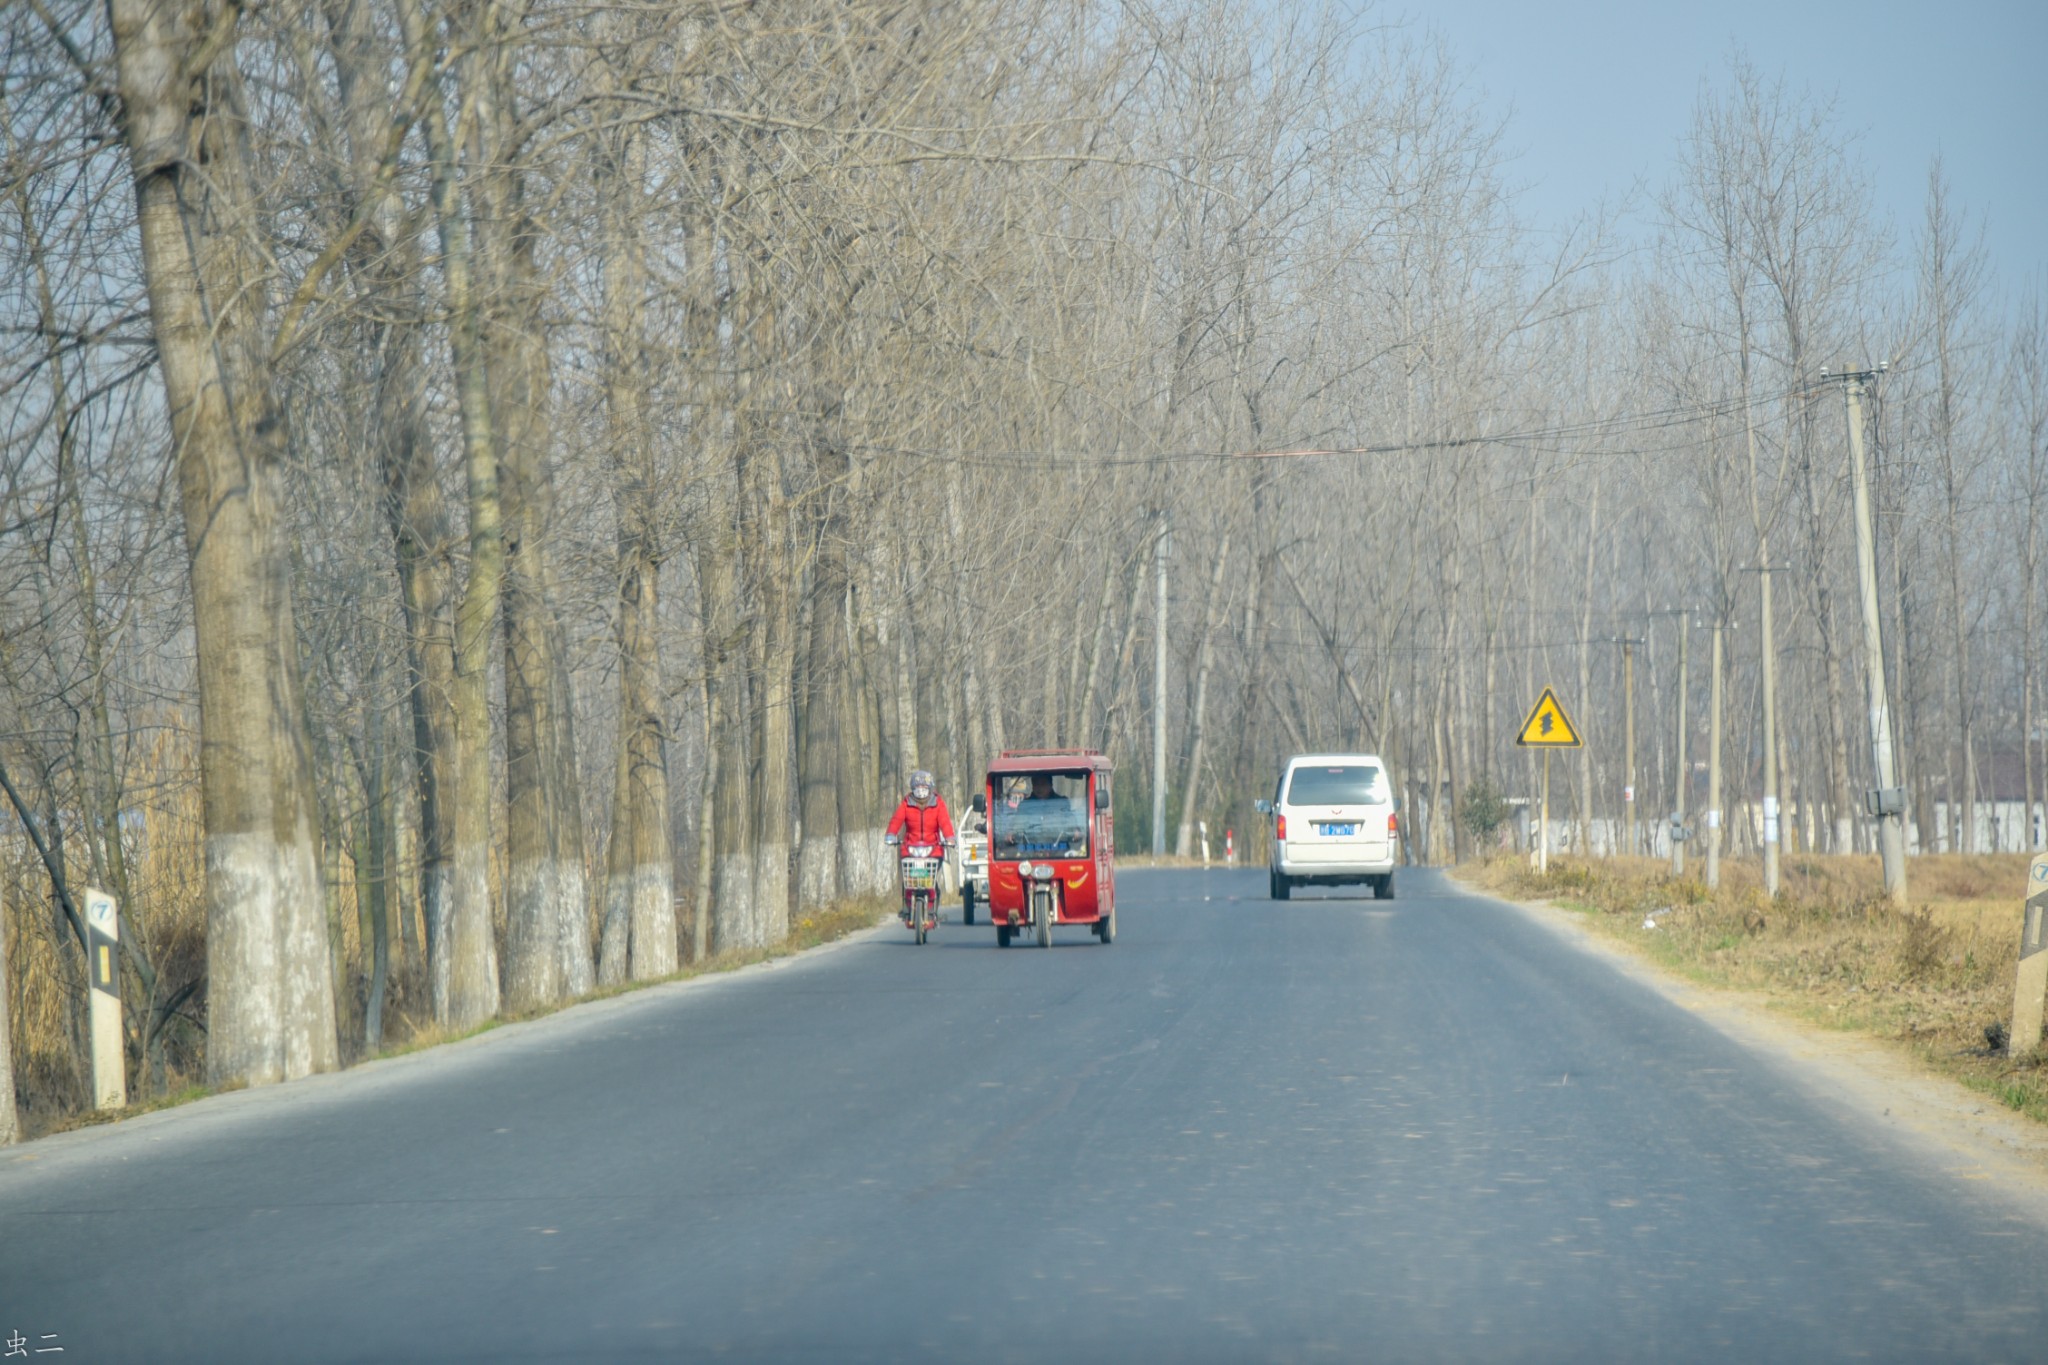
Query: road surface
point(1332, 1129)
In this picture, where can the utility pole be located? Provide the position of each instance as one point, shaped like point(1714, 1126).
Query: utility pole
point(1770, 680)
point(1628, 730)
point(1888, 802)
point(1769, 652)
point(1159, 703)
point(1768, 644)
point(1684, 775)
point(1714, 758)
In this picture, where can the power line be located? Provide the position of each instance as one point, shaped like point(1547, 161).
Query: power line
point(1661, 419)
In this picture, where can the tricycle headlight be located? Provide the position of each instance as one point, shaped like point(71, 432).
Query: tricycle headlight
point(1023, 869)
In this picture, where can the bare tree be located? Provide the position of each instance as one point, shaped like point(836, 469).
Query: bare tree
point(269, 998)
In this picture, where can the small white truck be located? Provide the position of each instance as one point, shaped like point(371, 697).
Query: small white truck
point(974, 858)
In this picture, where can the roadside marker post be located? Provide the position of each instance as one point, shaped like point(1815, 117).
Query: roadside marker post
point(2032, 982)
point(1547, 727)
point(103, 947)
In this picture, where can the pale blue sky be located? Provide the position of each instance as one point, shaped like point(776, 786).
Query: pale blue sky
point(1598, 93)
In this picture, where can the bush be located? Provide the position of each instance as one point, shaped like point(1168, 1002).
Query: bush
point(1482, 811)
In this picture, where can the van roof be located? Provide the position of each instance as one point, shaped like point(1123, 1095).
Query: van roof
point(1335, 759)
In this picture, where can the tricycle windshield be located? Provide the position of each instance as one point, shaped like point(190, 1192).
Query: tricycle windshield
point(1040, 815)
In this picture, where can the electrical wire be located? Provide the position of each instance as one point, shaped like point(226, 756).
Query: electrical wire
point(1660, 419)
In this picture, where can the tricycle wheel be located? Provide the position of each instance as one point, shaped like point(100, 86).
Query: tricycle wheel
point(967, 902)
point(1105, 928)
point(1002, 936)
point(1045, 927)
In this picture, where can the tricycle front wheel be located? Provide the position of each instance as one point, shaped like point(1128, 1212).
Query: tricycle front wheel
point(967, 902)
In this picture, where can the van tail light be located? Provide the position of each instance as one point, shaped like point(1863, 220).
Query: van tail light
point(1393, 825)
point(1280, 828)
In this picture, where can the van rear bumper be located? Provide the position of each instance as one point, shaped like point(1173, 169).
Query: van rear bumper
point(1329, 872)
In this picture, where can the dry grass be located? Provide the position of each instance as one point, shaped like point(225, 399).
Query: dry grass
point(822, 926)
point(1937, 978)
point(47, 1001)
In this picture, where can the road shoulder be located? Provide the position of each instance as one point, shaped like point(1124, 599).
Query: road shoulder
point(1971, 1139)
point(422, 1066)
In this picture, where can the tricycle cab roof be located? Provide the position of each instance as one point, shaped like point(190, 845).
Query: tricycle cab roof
point(1048, 760)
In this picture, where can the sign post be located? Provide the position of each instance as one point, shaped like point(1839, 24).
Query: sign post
point(2033, 974)
point(103, 948)
point(1547, 727)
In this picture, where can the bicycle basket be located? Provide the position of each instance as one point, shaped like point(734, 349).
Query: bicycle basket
point(920, 874)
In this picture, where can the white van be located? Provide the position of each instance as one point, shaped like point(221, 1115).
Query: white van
point(1333, 824)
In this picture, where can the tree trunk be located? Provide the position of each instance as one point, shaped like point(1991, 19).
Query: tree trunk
point(270, 1004)
point(828, 811)
point(10, 1121)
point(776, 702)
point(639, 866)
point(375, 878)
point(384, 262)
point(732, 895)
point(464, 971)
point(1191, 775)
point(639, 872)
point(547, 935)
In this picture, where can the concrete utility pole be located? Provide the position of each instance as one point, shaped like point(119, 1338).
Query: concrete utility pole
point(1770, 680)
point(1714, 760)
point(1684, 773)
point(1888, 802)
point(1627, 842)
point(1768, 645)
point(1628, 730)
point(1159, 706)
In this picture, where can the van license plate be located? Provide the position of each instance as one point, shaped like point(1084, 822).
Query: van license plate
point(1336, 829)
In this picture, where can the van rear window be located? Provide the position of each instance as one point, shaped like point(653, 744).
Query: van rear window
point(1349, 785)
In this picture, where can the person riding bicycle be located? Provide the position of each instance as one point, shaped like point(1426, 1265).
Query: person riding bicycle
point(921, 817)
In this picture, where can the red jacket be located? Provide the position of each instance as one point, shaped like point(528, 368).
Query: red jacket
point(922, 824)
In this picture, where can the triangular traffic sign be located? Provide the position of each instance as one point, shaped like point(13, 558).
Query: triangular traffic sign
point(1548, 727)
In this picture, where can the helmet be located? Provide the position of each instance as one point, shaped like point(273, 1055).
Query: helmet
point(923, 791)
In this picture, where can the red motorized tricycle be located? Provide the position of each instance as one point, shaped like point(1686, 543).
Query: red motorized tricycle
point(1051, 850)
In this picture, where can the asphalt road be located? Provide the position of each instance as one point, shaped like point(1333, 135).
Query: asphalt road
point(1332, 1129)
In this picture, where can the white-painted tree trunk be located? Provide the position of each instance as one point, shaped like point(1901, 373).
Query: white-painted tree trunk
point(269, 991)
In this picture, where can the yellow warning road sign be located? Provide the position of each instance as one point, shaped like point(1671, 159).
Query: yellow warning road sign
point(1548, 727)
